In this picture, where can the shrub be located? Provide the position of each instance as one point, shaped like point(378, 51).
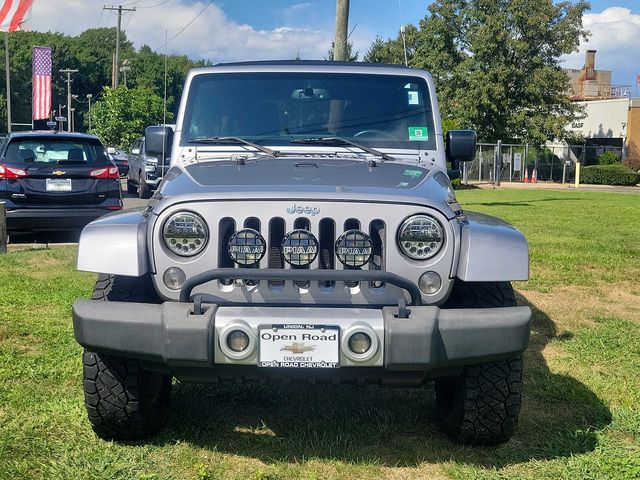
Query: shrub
point(609, 175)
point(608, 158)
point(633, 163)
point(455, 183)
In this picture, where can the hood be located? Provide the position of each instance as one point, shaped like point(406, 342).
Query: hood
point(309, 178)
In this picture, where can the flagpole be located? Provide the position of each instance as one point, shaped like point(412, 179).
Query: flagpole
point(6, 57)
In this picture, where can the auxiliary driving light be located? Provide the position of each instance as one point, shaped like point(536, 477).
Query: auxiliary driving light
point(359, 343)
point(429, 283)
point(174, 278)
point(238, 341)
point(185, 234)
point(299, 248)
point(420, 237)
point(354, 248)
point(247, 247)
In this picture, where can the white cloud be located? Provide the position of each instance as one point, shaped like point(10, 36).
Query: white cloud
point(615, 34)
point(212, 35)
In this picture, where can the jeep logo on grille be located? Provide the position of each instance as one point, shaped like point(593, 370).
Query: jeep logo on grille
point(300, 209)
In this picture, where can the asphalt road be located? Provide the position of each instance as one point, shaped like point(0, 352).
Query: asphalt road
point(130, 201)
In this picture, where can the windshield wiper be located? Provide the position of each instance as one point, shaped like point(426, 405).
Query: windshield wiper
point(335, 141)
point(234, 141)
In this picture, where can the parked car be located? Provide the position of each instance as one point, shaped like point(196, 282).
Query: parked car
point(307, 231)
point(54, 181)
point(145, 170)
point(120, 159)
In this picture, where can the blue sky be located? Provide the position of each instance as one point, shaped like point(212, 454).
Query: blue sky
point(229, 30)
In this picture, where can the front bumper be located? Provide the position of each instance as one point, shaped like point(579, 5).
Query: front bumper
point(429, 343)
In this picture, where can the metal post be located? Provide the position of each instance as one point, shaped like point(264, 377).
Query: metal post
point(342, 22)
point(480, 165)
point(3, 228)
point(68, 71)
point(498, 163)
point(8, 77)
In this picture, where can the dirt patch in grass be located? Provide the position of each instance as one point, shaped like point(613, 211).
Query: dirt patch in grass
point(577, 306)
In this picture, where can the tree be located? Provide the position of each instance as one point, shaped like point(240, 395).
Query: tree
point(91, 53)
point(121, 114)
point(497, 64)
point(351, 57)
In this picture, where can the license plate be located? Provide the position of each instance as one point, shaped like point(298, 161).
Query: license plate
point(58, 184)
point(299, 346)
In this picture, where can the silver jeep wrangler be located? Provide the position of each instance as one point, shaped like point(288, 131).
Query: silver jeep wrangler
point(307, 231)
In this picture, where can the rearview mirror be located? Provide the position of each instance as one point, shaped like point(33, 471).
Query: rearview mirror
point(461, 146)
point(158, 140)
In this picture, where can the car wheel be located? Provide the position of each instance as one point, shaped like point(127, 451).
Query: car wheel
point(123, 400)
point(130, 187)
point(144, 191)
point(481, 405)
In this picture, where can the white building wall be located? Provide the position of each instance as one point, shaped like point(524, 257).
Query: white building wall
point(604, 119)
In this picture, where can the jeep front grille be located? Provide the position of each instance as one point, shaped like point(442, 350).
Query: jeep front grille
point(326, 230)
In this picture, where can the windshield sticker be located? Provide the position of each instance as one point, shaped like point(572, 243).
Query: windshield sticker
point(412, 95)
point(413, 173)
point(418, 133)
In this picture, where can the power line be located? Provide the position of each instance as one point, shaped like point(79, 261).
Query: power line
point(186, 26)
point(154, 6)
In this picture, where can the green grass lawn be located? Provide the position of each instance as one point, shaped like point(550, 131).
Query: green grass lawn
point(581, 410)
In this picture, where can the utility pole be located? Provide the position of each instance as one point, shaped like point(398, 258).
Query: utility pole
point(8, 76)
point(342, 24)
point(89, 97)
point(118, 9)
point(68, 71)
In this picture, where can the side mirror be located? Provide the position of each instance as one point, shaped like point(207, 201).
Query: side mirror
point(158, 140)
point(461, 146)
point(135, 151)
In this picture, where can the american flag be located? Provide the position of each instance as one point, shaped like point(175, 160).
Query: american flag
point(13, 13)
point(41, 82)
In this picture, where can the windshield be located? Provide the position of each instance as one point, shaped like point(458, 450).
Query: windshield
point(388, 111)
point(52, 150)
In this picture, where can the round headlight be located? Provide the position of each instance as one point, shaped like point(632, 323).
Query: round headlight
point(299, 248)
point(354, 248)
point(185, 233)
point(247, 246)
point(420, 237)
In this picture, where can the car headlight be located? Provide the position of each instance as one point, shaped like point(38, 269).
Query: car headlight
point(185, 234)
point(420, 237)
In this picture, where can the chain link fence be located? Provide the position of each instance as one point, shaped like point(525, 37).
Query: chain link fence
point(498, 162)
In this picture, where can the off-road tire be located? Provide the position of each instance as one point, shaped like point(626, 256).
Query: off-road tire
point(131, 188)
point(144, 192)
point(123, 400)
point(481, 405)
